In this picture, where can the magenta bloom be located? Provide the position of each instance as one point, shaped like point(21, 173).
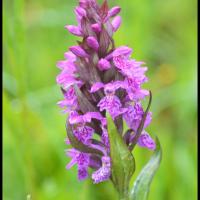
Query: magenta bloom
point(96, 78)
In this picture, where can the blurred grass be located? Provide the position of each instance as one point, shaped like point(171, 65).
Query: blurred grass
point(162, 33)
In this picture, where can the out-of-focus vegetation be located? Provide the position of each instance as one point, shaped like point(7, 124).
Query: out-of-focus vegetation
point(162, 33)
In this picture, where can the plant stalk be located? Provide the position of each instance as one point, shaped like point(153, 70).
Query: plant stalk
point(124, 195)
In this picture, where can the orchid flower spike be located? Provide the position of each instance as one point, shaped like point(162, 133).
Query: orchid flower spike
point(97, 78)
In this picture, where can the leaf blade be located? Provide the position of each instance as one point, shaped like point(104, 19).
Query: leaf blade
point(142, 184)
point(123, 163)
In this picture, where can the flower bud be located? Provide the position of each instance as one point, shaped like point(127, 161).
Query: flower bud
point(114, 11)
point(86, 3)
point(83, 3)
point(80, 12)
point(116, 23)
point(103, 64)
point(75, 30)
point(93, 43)
point(96, 28)
point(78, 51)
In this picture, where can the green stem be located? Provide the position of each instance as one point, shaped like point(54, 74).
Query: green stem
point(124, 195)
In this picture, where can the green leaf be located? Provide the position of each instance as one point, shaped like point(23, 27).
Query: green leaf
point(142, 184)
point(123, 163)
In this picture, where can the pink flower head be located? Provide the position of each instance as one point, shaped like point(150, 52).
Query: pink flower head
point(98, 78)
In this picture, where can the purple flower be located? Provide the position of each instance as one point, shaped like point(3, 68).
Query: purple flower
point(129, 68)
point(134, 115)
point(105, 138)
point(70, 56)
point(70, 101)
point(75, 118)
point(82, 160)
point(84, 133)
point(133, 87)
point(109, 88)
point(146, 141)
point(110, 102)
point(66, 80)
point(122, 52)
point(66, 65)
point(95, 78)
point(82, 173)
point(103, 173)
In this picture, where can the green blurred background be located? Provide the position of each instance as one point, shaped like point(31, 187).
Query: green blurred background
point(162, 33)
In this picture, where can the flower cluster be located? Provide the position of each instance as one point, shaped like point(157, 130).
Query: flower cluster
point(95, 78)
